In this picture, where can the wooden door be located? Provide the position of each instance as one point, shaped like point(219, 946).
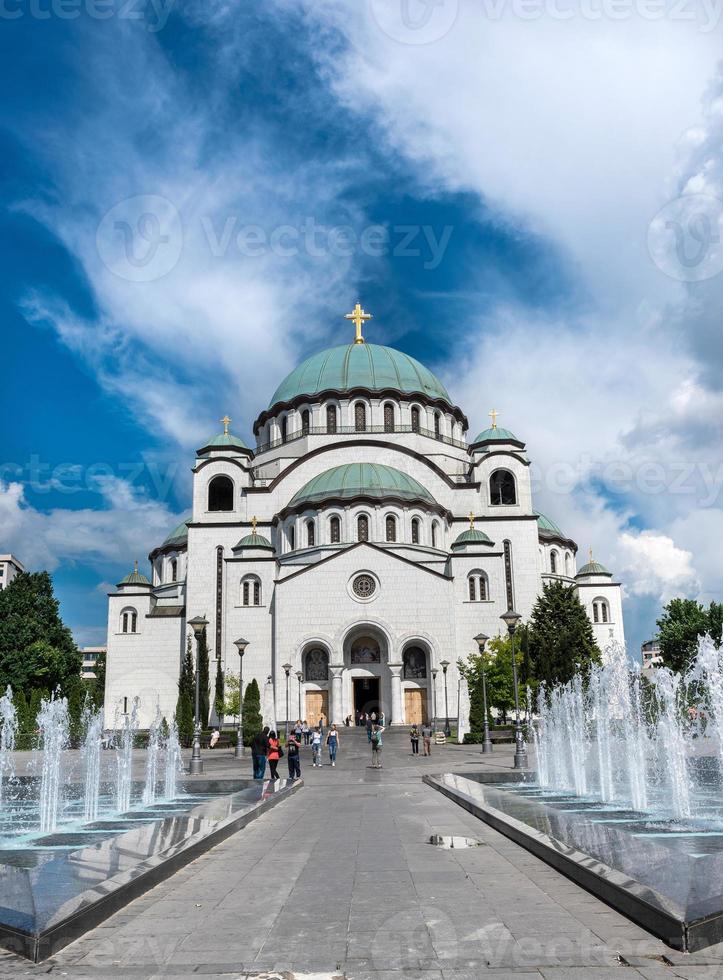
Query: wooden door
point(317, 704)
point(415, 706)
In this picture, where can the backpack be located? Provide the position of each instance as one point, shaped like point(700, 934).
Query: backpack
point(375, 741)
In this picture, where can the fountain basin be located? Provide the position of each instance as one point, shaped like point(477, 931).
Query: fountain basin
point(665, 875)
point(57, 886)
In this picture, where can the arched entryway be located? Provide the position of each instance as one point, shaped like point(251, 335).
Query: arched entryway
point(365, 684)
point(416, 678)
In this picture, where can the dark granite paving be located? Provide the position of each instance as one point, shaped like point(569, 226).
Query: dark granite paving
point(341, 880)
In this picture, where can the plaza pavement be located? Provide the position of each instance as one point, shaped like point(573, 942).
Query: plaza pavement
point(341, 880)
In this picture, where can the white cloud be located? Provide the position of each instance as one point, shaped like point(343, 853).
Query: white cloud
point(651, 564)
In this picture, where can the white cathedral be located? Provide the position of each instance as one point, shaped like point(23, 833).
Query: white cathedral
point(358, 549)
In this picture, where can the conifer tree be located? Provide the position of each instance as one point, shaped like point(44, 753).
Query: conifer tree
point(184, 705)
point(561, 639)
point(252, 711)
point(218, 700)
point(203, 680)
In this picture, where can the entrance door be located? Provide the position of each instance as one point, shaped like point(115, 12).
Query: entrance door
point(366, 695)
point(415, 706)
point(317, 704)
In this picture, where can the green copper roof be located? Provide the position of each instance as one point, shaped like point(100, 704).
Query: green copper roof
point(470, 536)
point(495, 435)
point(225, 440)
point(545, 524)
point(359, 366)
point(253, 541)
point(593, 568)
point(361, 479)
point(135, 578)
point(178, 536)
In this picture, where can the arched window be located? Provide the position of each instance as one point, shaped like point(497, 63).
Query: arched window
point(437, 425)
point(305, 422)
point(553, 562)
point(415, 419)
point(174, 570)
point(292, 538)
point(600, 611)
point(415, 663)
point(362, 528)
point(220, 493)
point(310, 534)
point(334, 530)
point(360, 417)
point(415, 530)
point(388, 417)
point(316, 665)
point(331, 418)
point(251, 591)
point(567, 563)
point(391, 528)
point(435, 528)
point(129, 621)
point(478, 587)
point(284, 428)
point(502, 488)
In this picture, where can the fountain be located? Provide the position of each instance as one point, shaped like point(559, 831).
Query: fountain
point(174, 762)
point(91, 749)
point(152, 753)
point(53, 723)
point(8, 730)
point(124, 756)
point(627, 798)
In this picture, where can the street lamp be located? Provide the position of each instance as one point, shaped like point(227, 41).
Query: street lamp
point(434, 698)
point(447, 730)
point(287, 670)
point(511, 619)
point(198, 624)
point(240, 645)
point(481, 640)
point(299, 675)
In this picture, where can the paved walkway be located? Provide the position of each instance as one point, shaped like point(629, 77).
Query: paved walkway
point(342, 880)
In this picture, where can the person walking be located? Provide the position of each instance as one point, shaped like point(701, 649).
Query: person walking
point(259, 748)
point(370, 726)
point(305, 731)
point(294, 757)
point(274, 754)
point(332, 742)
point(297, 731)
point(316, 747)
point(377, 747)
point(427, 738)
point(414, 739)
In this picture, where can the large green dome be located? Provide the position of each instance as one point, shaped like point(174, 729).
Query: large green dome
point(359, 366)
point(361, 480)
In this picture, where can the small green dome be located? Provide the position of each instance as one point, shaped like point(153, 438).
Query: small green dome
point(546, 525)
point(178, 536)
point(359, 366)
point(225, 441)
point(253, 540)
point(135, 578)
point(593, 568)
point(361, 480)
point(496, 435)
point(470, 537)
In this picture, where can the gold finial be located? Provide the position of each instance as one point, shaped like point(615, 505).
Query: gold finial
point(493, 415)
point(471, 520)
point(358, 316)
point(135, 565)
point(226, 421)
point(589, 554)
point(253, 524)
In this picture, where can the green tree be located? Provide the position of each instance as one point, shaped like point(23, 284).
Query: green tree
point(22, 709)
point(252, 711)
point(184, 705)
point(231, 701)
point(218, 700)
point(560, 635)
point(76, 701)
point(683, 622)
point(203, 680)
point(36, 647)
point(497, 661)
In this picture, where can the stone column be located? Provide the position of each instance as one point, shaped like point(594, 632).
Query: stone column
point(397, 706)
point(336, 707)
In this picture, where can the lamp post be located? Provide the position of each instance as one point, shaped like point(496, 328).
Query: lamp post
point(198, 624)
point(511, 619)
point(481, 640)
point(240, 645)
point(434, 698)
point(299, 675)
point(444, 664)
point(287, 671)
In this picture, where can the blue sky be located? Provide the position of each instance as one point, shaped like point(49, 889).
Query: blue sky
point(524, 161)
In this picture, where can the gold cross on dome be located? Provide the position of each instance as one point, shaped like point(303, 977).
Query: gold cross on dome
point(225, 421)
point(358, 316)
point(589, 553)
point(471, 520)
point(135, 565)
point(253, 524)
point(493, 415)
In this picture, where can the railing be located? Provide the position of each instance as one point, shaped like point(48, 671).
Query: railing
point(345, 430)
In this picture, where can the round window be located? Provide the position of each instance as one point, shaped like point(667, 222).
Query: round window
point(364, 586)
